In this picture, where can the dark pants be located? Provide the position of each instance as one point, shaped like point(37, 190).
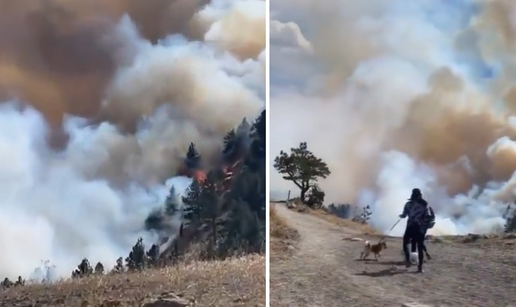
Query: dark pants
point(413, 233)
point(413, 244)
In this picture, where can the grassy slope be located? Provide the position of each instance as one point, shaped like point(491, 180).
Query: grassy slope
point(233, 282)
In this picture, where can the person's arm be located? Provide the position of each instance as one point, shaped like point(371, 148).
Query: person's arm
point(406, 210)
point(432, 214)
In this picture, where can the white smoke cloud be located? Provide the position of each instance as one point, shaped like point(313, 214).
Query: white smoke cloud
point(91, 198)
point(400, 94)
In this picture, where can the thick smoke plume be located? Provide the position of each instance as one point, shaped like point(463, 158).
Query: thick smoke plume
point(99, 102)
point(401, 94)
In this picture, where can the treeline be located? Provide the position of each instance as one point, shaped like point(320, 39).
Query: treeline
point(346, 211)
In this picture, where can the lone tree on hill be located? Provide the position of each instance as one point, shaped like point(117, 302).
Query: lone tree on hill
point(301, 167)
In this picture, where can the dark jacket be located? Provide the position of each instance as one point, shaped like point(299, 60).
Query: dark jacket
point(416, 211)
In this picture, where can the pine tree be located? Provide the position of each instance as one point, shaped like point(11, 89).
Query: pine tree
point(193, 158)
point(243, 230)
point(510, 221)
point(229, 143)
point(210, 203)
point(256, 159)
point(136, 258)
point(153, 255)
point(244, 128)
point(249, 187)
point(172, 202)
point(191, 203)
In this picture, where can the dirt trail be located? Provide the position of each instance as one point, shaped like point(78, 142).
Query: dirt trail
point(324, 271)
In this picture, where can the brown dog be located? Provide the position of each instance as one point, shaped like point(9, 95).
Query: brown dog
point(372, 248)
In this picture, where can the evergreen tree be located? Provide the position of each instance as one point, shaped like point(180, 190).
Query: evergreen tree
point(340, 210)
point(230, 145)
point(99, 268)
point(210, 203)
point(244, 128)
point(172, 202)
point(119, 267)
point(251, 180)
point(243, 230)
point(249, 187)
point(510, 221)
point(191, 203)
point(256, 157)
point(136, 258)
point(193, 158)
point(153, 255)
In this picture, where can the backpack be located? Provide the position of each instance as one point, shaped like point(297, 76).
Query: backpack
point(429, 218)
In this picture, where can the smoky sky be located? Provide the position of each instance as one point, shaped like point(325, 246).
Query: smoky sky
point(400, 94)
point(59, 56)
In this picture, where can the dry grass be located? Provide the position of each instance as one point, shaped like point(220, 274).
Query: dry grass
point(282, 236)
point(333, 219)
point(233, 282)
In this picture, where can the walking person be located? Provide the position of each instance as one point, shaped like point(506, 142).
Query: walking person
point(416, 211)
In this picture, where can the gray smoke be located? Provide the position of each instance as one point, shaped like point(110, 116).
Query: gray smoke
point(401, 94)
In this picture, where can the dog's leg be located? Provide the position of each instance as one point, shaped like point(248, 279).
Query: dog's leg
point(366, 255)
point(361, 255)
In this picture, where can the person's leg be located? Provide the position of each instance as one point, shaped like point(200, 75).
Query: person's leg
point(420, 246)
point(406, 240)
point(424, 247)
point(413, 245)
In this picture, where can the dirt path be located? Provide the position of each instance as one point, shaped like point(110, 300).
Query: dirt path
point(324, 272)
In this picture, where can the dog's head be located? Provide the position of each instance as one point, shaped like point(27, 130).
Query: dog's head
point(384, 244)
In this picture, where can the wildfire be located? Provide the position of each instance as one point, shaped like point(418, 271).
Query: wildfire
point(199, 175)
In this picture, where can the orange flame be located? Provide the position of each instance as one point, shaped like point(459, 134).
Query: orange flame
point(199, 175)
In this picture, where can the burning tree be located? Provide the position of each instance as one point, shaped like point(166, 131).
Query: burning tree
point(303, 168)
